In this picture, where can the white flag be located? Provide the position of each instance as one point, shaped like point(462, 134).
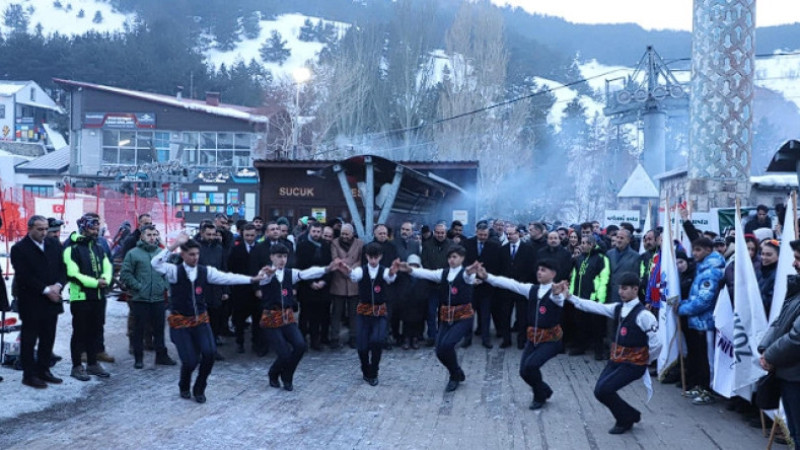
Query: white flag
point(723, 357)
point(670, 294)
point(785, 264)
point(645, 229)
point(749, 320)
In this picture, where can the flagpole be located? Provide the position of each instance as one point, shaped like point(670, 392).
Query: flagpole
point(794, 213)
point(675, 306)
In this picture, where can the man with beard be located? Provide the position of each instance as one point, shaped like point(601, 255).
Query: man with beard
point(590, 281)
point(213, 255)
point(406, 245)
point(314, 295)
point(344, 292)
point(434, 257)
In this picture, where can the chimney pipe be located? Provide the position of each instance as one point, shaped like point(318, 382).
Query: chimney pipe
point(179, 94)
point(212, 98)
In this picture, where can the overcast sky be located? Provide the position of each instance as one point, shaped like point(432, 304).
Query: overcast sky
point(650, 14)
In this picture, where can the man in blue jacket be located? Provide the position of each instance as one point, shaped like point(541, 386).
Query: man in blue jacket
point(699, 309)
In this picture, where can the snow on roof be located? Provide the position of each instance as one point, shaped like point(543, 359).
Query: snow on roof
point(225, 110)
point(774, 180)
point(638, 185)
point(9, 88)
point(56, 139)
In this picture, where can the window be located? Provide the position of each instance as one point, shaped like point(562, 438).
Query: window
point(211, 149)
point(33, 94)
point(134, 147)
point(39, 190)
point(2, 111)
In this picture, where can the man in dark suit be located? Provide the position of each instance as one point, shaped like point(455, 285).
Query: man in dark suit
point(518, 262)
point(243, 259)
point(314, 295)
point(481, 248)
point(40, 274)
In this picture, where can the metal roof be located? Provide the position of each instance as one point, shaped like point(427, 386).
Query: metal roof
point(223, 109)
point(53, 163)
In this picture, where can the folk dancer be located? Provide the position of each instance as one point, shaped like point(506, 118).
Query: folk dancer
point(455, 309)
point(634, 347)
point(371, 317)
point(189, 326)
point(543, 332)
point(278, 319)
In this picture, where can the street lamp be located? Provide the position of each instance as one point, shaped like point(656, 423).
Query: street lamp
point(301, 75)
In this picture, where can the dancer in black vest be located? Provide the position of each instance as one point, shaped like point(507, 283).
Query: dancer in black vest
point(455, 309)
point(188, 321)
point(371, 321)
point(277, 319)
point(635, 345)
point(544, 324)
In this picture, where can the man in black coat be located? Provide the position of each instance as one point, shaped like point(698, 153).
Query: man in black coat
point(555, 252)
point(487, 251)
point(40, 274)
point(518, 262)
point(245, 303)
point(212, 254)
point(314, 295)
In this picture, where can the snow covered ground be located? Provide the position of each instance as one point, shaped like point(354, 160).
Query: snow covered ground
point(331, 407)
point(65, 20)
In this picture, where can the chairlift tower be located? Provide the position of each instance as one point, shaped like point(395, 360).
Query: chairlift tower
point(648, 95)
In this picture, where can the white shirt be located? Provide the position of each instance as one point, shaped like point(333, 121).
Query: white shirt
point(436, 275)
point(523, 289)
point(646, 321)
point(312, 273)
point(214, 276)
point(358, 273)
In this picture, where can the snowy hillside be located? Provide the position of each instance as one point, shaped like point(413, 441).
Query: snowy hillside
point(288, 25)
point(63, 16)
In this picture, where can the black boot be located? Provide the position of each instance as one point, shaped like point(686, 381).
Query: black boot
point(163, 359)
point(185, 382)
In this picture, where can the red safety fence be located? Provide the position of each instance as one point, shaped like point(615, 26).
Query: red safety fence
point(114, 205)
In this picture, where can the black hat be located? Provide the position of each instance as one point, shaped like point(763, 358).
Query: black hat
point(548, 264)
point(719, 241)
point(54, 224)
point(680, 254)
point(628, 279)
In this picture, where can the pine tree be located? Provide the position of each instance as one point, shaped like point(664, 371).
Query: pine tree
point(15, 17)
point(306, 31)
point(98, 17)
point(81, 14)
point(251, 25)
point(274, 49)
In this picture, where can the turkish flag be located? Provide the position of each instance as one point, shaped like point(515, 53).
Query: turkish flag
point(58, 209)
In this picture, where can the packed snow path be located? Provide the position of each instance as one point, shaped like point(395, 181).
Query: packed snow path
point(332, 407)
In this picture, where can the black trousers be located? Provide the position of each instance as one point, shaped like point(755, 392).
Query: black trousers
point(41, 328)
point(195, 347)
point(521, 303)
point(370, 334)
point(590, 331)
point(148, 315)
point(244, 307)
point(450, 334)
point(290, 346)
point(87, 326)
point(216, 318)
point(482, 304)
point(318, 313)
point(613, 378)
point(502, 308)
point(698, 372)
point(530, 366)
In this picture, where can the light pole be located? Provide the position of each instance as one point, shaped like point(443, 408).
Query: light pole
point(300, 75)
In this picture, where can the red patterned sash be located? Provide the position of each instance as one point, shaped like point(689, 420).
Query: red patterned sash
point(452, 313)
point(367, 309)
point(177, 321)
point(276, 318)
point(541, 335)
point(633, 355)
